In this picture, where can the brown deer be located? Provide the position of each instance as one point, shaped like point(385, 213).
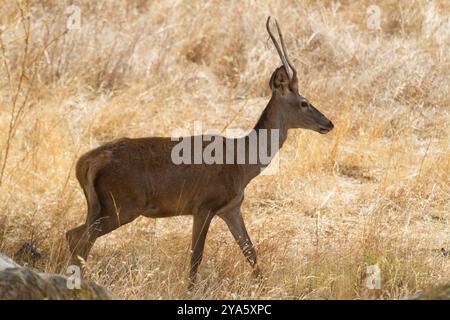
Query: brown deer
point(127, 178)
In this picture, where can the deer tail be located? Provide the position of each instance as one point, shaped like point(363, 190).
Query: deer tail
point(87, 170)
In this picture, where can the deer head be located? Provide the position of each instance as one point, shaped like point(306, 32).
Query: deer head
point(298, 111)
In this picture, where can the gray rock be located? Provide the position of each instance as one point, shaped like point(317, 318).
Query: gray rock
point(17, 282)
point(441, 292)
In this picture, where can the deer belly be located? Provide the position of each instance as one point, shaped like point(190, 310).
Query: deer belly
point(168, 206)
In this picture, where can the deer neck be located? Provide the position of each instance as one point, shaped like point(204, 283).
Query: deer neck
point(267, 137)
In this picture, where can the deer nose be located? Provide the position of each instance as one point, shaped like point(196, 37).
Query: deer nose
point(326, 128)
point(330, 125)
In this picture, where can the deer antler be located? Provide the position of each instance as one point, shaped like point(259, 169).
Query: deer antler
point(277, 46)
point(294, 71)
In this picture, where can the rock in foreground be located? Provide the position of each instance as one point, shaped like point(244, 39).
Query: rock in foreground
point(17, 282)
point(441, 292)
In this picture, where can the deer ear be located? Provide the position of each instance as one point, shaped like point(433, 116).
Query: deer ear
point(279, 81)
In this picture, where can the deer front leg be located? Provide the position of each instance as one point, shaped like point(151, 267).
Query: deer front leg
point(199, 231)
point(235, 223)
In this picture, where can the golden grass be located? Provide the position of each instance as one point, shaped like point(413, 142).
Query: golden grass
point(374, 191)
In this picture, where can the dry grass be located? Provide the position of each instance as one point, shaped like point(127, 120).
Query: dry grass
point(374, 191)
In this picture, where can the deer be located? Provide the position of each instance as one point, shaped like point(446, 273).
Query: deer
point(131, 177)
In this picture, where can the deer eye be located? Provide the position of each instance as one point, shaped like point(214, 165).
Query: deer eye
point(304, 104)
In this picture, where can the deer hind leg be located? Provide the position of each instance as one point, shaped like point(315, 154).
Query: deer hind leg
point(77, 239)
point(81, 239)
